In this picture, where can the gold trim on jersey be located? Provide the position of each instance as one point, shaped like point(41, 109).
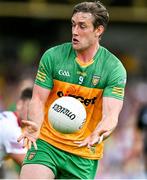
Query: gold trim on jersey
point(118, 91)
point(82, 73)
point(84, 64)
point(41, 76)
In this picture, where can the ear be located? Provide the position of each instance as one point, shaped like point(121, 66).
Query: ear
point(99, 31)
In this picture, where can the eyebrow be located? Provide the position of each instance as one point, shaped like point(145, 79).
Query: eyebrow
point(81, 22)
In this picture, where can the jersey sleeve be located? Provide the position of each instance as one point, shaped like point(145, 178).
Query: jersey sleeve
point(44, 74)
point(116, 82)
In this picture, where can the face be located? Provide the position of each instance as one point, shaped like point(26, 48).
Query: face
point(22, 108)
point(83, 33)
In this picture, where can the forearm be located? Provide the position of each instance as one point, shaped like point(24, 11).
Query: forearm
point(36, 112)
point(110, 114)
point(35, 117)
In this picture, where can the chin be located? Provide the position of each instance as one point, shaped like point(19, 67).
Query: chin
point(76, 47)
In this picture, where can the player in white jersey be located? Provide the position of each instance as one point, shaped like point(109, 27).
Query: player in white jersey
point(11, 128)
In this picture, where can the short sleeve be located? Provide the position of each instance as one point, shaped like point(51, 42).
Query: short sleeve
point(44, 74)
point(116, 82)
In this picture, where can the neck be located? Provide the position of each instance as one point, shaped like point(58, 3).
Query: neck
point(87, 55)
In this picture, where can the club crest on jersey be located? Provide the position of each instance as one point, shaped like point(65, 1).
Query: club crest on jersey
point(31, 155)
point(92, 150)
point(95, 80)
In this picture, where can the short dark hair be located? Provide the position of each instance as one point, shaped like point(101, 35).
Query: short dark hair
point(97, 9)
point(26, 94)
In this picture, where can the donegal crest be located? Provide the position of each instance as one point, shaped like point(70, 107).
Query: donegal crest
point(95, 80)
point(31, 155)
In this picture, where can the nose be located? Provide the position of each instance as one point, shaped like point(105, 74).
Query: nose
point(75, 30)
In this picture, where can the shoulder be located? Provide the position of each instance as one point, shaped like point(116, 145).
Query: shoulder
point(56, 54)
point(111, 60)
point(59, 48)
point(109, 55)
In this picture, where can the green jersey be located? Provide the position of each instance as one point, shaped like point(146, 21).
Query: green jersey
point(65, 75)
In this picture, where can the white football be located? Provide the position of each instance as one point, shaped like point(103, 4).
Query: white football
point(67, 115)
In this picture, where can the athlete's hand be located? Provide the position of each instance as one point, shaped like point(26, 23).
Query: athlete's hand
point(93, 138)
point(30, 134)
point(90, 140)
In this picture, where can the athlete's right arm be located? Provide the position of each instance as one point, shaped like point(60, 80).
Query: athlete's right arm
point(35, 116)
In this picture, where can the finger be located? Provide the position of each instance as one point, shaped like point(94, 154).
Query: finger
point(84, 143)
point(26, 122)
point(89, 146)
point(31, 141)
point(94, 141)
point(101, 139)
point(77, 142)
point(29, 144)
point(80, 143)
point(35, 145)
point(25, 143)
point(20, 138)
point(102, 131)
point(106, 134)
point(91, 143)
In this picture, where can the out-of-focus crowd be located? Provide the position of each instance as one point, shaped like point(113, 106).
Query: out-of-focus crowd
point(9, 92)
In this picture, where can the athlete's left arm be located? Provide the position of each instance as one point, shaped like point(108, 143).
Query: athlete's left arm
point(110, 113)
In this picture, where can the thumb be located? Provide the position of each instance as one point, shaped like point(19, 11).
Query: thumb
point(31, 124)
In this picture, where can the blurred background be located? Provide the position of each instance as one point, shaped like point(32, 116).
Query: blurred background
point(29, 27)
